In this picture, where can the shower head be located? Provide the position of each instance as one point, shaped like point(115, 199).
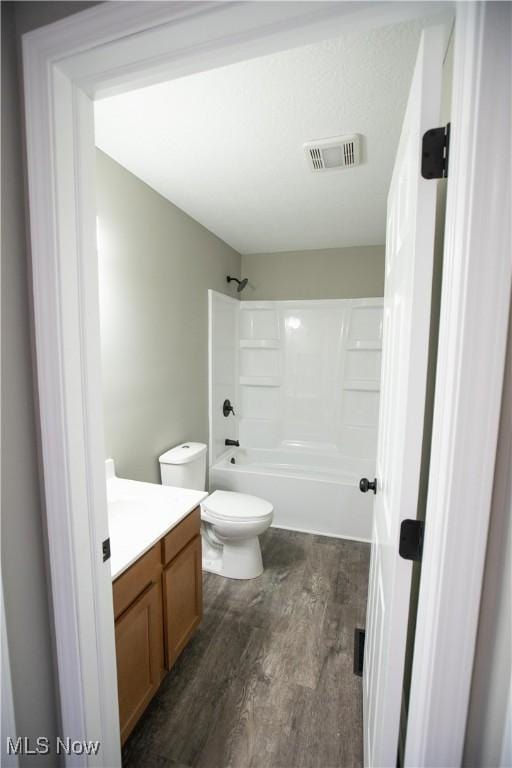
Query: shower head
point(241, 283)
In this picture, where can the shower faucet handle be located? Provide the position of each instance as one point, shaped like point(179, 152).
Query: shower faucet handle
point(227, 408)
point(366, 485)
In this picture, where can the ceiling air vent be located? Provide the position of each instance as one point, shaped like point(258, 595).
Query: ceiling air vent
point(333, 154)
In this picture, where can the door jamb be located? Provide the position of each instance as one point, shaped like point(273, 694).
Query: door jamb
point(110, 48)
point(475, 303)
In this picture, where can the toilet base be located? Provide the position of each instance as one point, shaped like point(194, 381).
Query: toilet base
point(238, 559)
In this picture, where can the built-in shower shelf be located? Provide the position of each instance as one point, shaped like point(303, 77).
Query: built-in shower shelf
point(259, 344)
point(260, 381)
point(359, 385)
point(364, 345)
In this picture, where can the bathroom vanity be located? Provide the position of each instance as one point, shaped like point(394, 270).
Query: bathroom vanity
point(157, 586)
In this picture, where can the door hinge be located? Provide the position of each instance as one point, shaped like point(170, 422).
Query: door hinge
point(359, 635)
point(105, 548)
point(411, 539)
point(435, 150)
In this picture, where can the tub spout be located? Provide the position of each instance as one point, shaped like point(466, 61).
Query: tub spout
point(232, 442)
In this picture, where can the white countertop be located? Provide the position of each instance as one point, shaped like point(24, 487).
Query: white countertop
point(139, 514)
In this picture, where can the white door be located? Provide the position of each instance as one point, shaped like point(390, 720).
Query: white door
point(406, 321)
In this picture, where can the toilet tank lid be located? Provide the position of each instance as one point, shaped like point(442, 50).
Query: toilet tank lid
point(182, 454)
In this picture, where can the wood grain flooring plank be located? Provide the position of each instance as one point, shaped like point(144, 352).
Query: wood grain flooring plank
point(256, 712)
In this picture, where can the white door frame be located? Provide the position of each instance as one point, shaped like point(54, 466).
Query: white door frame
point(471, 357)
point(118, 46)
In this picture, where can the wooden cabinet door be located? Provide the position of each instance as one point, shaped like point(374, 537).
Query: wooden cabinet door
point(139, 651)
point(183, 598)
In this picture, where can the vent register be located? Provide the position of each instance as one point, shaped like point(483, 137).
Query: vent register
point(333, 154)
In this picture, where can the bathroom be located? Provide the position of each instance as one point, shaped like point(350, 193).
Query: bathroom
point(241, 301)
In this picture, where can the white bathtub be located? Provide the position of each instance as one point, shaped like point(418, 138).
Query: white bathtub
point(313, 492)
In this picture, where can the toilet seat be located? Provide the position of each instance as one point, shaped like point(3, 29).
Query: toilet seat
point(230, 527)
point(239, 507)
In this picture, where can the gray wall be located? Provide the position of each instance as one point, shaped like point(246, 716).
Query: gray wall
point(23, 546)
point(156, 265)
point(333, 273)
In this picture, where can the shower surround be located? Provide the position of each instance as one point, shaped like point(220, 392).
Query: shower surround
point(303, 377)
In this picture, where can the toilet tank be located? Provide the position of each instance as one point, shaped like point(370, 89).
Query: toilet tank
point(184, 466)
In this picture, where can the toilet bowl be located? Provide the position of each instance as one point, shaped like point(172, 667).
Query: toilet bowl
point(230, 526)
point(230, 522)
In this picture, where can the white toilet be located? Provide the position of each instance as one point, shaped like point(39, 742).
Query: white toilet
point(230, 522)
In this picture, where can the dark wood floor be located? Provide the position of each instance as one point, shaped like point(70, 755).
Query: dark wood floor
point(267, 682)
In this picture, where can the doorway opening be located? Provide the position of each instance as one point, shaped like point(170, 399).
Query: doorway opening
point(182, 207)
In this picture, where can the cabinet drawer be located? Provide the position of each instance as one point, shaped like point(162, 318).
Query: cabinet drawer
point(130, 584)
point(181, 535)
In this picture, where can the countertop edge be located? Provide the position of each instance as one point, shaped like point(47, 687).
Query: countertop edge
point(153, 541)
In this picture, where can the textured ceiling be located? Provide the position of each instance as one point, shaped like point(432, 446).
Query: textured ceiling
point(225, 145)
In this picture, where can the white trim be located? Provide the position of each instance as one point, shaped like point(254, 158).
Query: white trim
point(114, 47)
point(60, 155)
point(140, 43)
point(472, 340)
